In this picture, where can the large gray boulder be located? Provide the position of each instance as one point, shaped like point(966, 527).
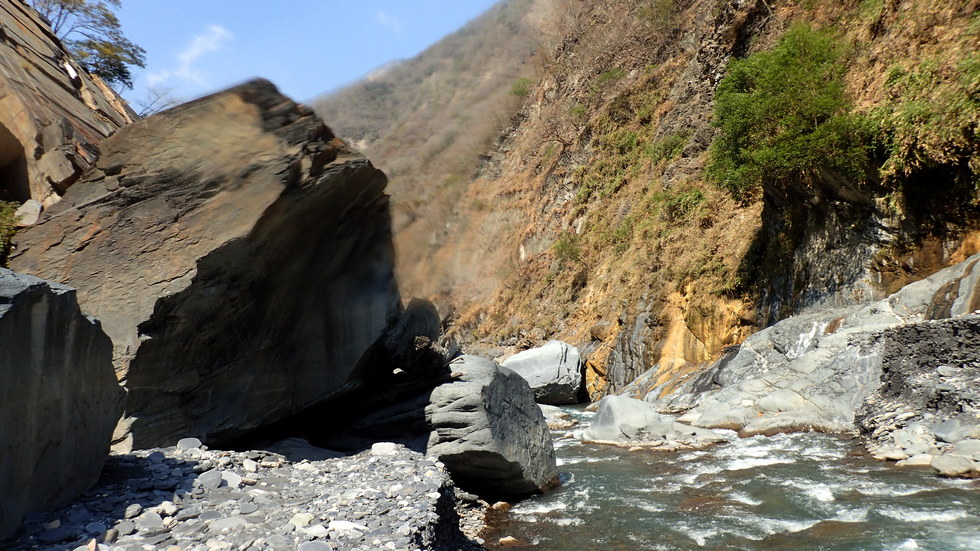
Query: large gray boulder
point(59, 400)
point(489, 432)
point(625, 421)
point(553, 371)
point(238, 255)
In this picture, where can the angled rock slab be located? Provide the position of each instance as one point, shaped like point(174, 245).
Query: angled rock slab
point(489, 432)
point(59, 400)
point(238, 255)
point(814, 371)
point(553, 371)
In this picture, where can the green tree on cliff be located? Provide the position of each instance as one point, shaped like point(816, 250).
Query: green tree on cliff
point(91, 32)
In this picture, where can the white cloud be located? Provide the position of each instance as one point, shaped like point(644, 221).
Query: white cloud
point(213, 39)
point(389, 22)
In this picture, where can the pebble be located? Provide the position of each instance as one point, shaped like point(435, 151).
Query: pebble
point(385, 498)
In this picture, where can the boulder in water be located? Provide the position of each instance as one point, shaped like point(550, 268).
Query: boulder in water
point(489, 432)
point(625, 421)
point(553, 371)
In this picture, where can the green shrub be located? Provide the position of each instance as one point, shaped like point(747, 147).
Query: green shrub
point(7, 228)
point(784, 115)
point(567, 249)
point(521, 87)
point(668, 148)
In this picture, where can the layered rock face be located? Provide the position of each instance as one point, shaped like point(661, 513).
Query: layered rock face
point(891, 363)
point(58, 399)
point(489, 432)
point(238, 255)
point(52, 113)
point(554, 372)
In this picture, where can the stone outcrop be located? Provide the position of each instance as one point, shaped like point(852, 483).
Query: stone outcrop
point(928, 403)
point(489, 432)
point(53, 114)
point(813, 371)
point(58, 399)
point(239, 257)
point(625, 421)
point(554, 372)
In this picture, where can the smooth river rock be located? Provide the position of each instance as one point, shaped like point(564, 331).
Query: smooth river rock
point(238, 255)
point(627, 421)
point(59, 400)
point(553, 371)
point(489, 432)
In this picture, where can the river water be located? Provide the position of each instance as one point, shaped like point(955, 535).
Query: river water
point(790, 491)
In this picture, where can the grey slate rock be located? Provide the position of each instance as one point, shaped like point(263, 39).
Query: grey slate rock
point(489, 432)
point(60, 400)
point(553, 371)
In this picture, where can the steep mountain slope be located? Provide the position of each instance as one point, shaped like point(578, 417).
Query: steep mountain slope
point(595, 220)
point(427, 121)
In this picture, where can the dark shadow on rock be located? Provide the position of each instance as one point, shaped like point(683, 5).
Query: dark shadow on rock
point(127, 481)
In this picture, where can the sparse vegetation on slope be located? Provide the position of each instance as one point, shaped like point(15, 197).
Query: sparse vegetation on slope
point(597, 220)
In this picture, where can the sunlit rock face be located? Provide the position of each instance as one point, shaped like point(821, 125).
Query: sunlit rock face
point(239, 257)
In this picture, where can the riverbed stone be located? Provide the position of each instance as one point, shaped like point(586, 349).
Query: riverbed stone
point(489, 432)
point(397, 500)
point(953, 466)
point(553, 371)
point(630, 422)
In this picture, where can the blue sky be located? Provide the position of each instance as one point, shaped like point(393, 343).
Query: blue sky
point(306, 47)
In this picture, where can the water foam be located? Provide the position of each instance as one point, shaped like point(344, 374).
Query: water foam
point(911, 515)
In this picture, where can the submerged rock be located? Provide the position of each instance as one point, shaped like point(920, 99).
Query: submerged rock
point(59, 400)
point(239, 257)
point(489, 432)
point(554, 372)
point(625, 421)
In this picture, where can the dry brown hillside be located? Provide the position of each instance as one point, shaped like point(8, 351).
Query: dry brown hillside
point(594, 220)
point(427, 121)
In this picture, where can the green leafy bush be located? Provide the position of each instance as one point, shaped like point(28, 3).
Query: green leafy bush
point(567, 249)
point(784, 115)
point(7, 228)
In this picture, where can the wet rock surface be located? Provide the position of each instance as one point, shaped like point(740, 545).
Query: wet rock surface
point(194, 499)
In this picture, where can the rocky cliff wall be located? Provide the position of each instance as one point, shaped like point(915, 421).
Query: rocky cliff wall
point(238, 255)
point(53, 114)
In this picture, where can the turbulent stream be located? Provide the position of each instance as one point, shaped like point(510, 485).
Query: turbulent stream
point(790, 491)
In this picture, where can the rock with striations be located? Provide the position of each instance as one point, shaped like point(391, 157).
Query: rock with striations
point(237, 254)
point(59, 400)
point(489, 432)
point(625, 421)
point(553, 371)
